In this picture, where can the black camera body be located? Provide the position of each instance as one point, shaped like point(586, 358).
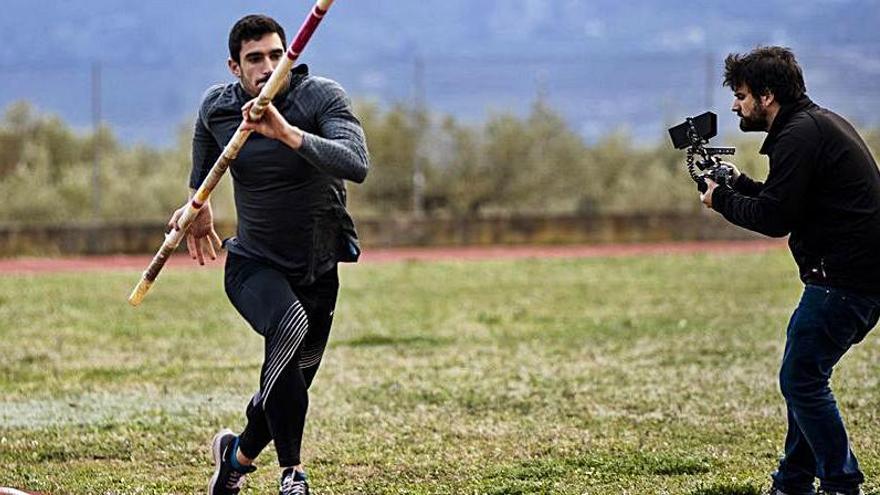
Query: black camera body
point(703, 161)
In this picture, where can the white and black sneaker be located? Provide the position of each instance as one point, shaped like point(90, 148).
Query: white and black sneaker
point(228, 474)
point(294, 482)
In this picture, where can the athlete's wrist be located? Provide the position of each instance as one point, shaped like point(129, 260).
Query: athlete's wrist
point(293, 136)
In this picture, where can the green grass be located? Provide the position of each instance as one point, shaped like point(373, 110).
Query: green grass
point(636, 376)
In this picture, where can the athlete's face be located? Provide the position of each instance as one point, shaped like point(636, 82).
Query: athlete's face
point(753, 115)
point(257, 59)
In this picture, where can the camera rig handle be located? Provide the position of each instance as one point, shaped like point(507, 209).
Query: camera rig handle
point(719, 150)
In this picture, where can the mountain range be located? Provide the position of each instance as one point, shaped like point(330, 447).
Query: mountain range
point(605, 65)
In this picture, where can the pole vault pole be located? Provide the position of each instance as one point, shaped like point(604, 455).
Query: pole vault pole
point(230, 152)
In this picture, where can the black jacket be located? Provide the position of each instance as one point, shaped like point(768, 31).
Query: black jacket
point(823, 189)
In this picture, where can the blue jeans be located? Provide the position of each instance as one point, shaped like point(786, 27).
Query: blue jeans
point(826, 323)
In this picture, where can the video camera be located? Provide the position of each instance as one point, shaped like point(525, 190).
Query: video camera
point(694, 134)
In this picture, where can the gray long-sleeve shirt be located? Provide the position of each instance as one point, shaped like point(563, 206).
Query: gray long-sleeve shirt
point(290, 203)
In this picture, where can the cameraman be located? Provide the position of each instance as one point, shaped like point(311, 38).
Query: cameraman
point(823, 190)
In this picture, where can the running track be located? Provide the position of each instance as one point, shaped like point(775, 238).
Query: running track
point(385, 255)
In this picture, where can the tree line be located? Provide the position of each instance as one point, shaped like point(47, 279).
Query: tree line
point(421, 162)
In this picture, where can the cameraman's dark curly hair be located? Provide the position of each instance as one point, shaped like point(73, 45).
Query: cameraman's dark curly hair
point(252, 27)
point(766, 69)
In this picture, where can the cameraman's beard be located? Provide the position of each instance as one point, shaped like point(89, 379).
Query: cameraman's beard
point(757, 122)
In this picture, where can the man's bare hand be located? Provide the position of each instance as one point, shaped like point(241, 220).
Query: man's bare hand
point(272, 124)
point(201, 237)
point(706, 197)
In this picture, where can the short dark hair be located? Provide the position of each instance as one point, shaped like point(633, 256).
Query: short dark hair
point(252, 27)
point(766, 69)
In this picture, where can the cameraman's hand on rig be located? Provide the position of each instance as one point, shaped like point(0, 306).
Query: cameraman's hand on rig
point(706, 196)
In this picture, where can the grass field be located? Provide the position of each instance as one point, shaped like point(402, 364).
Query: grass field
point(654, 374)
